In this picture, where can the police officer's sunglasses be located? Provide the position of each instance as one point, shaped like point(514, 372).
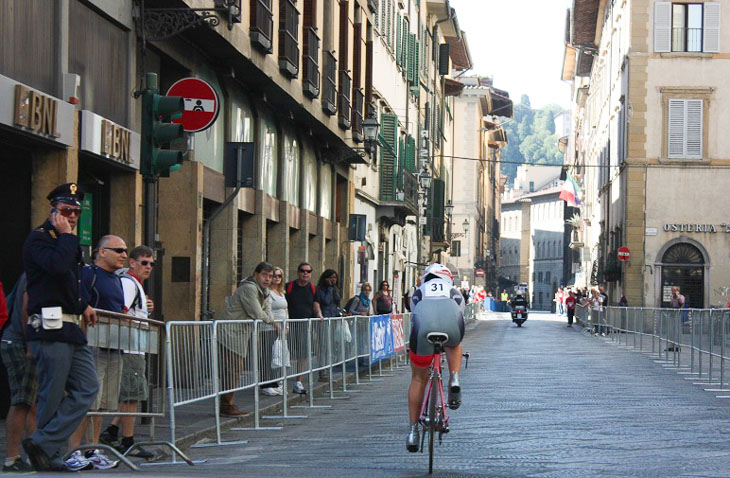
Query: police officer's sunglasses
point(69, 211)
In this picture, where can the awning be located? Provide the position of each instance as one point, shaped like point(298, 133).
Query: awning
point(497, 138)
point(499, 103)
point(453, 87)
point(459, 52)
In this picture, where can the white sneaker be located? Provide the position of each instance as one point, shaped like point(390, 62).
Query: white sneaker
point(77, 462)
point(269, 391)
point(278, 390)
point(101, 461)
point(299, 388)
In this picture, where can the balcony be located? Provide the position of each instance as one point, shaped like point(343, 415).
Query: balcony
point(288, 41)
point(358, 103)
point(399, 190)
point(329, 87)
point(262, 25)
point(343, 100)
point(310, 81)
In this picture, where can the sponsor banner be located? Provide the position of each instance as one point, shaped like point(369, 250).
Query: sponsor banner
point(381, 338)
point(399, 338)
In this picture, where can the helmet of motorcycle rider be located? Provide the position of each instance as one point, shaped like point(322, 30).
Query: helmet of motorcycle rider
point(438, 271)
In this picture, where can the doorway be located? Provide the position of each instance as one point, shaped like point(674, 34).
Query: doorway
point(683, 266)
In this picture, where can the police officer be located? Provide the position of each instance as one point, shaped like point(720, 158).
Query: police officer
point(58, 312)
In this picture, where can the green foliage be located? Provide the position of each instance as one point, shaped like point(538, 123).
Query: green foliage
point(532, 137)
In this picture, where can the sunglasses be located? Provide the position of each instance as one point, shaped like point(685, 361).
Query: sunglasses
point(69, 211)
point(305, 271)
point(278, 276)
point(148, 263)
point(118, 250)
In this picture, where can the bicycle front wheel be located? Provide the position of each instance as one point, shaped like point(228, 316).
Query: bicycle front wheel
point(433, 398)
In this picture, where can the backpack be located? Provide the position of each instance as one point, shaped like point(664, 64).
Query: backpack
point(350, 302)
point(290, 287)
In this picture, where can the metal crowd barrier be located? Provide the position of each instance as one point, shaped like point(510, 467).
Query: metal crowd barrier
point(130, 372)
point(694, 341)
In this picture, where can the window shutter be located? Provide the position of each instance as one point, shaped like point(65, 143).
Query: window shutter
point(397, 39)
point(412, 61)
point(711, 28)
point(389, 129)
point(401, 163)
point(662, 27)
point(411, 155)
point(694, 129)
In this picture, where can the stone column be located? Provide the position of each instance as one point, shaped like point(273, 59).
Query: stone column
point(278, 240)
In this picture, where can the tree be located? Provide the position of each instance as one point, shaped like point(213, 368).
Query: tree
point(531, 136)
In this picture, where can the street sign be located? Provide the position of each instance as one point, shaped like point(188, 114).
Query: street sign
point(201, 104)
point(480, 272)
point(624, 254)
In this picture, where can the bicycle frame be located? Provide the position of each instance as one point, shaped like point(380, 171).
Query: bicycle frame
point(435, 374)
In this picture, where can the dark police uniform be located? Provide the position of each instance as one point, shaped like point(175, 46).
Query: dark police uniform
point(68, 383)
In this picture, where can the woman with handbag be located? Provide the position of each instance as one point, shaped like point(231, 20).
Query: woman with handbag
point(280, 311)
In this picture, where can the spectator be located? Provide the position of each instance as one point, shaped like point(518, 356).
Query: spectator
point(280, 311)
point(559, 300)
point(328, 295)
point(623, 302)
point(58, 307)
point(248, 302)
point(383, 299)
point(570, 302)
point(22, 377)
point(361, 303)
point(106, 293)
point(301, 296)
point(677, 301)
point(133, 387)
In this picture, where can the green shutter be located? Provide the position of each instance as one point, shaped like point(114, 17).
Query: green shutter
point(388, 161)
point(401, 164)
point(412, 59)
point(397, 39)
point(411, 155)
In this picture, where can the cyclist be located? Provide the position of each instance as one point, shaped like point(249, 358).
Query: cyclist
point(437, 306)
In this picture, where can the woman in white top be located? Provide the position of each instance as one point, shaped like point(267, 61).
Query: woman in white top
point(280, 311)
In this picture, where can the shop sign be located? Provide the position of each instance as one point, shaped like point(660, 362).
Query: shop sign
point(32, 111)
point(700, 228)
point(86, 220)
point(106, 138)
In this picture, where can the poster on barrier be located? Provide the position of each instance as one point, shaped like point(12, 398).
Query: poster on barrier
point(399, 339)
point(381, 337)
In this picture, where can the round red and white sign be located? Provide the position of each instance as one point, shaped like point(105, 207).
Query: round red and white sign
point(480, 272)
point(624, 254)
point(201, 104)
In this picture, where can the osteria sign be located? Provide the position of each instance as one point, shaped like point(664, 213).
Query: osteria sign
point(697, 228)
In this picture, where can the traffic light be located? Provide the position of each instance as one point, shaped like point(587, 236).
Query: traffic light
point(158, 131)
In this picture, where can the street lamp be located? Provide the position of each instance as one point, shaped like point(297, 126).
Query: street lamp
point(465, 226)
point(370, 130)
point(424, 179)
point(449, 208)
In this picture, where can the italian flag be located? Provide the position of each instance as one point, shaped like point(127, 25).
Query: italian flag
point(571, 192)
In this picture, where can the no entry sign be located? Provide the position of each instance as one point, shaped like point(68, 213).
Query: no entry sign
point(201, 104)
point(624, 254)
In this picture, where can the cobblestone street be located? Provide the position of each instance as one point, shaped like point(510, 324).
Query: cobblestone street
point(543, 400)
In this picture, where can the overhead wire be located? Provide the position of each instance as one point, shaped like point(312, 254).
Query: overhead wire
point(630, 165)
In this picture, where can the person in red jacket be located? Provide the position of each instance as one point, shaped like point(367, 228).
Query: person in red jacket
point(570, 302)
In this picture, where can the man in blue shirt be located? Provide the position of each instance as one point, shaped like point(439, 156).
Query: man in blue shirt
point(105, 291)
point(57, 309)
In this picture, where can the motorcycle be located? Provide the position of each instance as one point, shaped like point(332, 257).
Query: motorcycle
point(519, 315)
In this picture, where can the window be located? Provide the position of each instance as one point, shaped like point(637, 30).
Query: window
point(288, 38)
point(456, 249)
point(539, 276)
point(687, 27)
point(685, 128)
point(547, 277)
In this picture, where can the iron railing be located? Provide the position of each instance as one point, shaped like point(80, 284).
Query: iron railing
point(687, 39)
point(343, 99)
point(288, 39)
point(262, 25)
point(329, 85)
point(310, 80)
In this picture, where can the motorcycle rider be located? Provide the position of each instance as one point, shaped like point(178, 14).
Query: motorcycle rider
point(437, 306)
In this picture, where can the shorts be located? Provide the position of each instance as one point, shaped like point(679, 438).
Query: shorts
point(22, 373)
point(435, 315)
point(420, 361)
point(134, 378)
point(109, 374)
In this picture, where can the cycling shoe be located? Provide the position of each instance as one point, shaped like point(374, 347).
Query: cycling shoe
point(413, 440)
point(454, 391)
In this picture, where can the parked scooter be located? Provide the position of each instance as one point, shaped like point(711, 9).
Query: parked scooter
point(519, 310)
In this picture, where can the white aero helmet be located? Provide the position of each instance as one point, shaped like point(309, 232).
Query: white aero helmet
point(440, 271)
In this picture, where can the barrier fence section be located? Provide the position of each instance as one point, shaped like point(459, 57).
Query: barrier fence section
point(697, 341)
point(212, 360)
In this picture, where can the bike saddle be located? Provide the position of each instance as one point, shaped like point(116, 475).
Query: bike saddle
point(437, 338)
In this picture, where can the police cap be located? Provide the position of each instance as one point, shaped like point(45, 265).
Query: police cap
point(69, 193)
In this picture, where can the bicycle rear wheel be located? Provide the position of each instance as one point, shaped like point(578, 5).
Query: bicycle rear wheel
point(433, 398)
